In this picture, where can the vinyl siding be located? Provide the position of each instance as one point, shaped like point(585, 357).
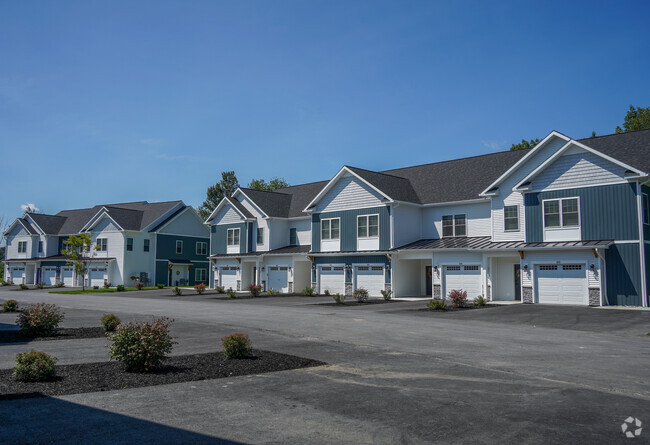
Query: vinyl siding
point(623, 275)
point(478, 219)
point(349, 193)
point(219, 238)
point(579, 169)
point(227, 215)
point(647, 271)
point(303, 231)
point(646, 227)
point(606, 212)
point(186, 224)
point(349, 227)
point(408, 224)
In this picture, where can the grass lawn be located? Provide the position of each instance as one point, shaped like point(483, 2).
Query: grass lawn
point(110, 289)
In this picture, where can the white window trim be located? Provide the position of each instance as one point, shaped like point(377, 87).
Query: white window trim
point(367, 226)
point(645, 206)
point(181, 244)
point(330, 230)
point(562, 226)
point(296, 232)
point(199, 248)
point(257, 236)
point(196, 275)
point(504, 218)
point(453, 226)
point(101, 242)
point(22, 243)
point(146, 247)
point(132, 244)
point(237, 230)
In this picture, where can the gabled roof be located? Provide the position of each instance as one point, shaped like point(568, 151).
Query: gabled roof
point(632, 148)
point(27, 226)
point(397, 187)
point(48, 223)
point(240, 207)
point(273, 204)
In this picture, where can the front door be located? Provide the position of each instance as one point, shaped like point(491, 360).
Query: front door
point(429, 275)
point(517, 282)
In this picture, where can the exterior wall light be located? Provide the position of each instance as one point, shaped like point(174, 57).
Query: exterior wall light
point(435, 269)
point(592, 267)
point(525, 267)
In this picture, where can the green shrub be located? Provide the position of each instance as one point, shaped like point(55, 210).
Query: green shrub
point(340, 299)
point(40, 285)
point(40, 320)
point(273, 292)
point(361, 295)
point(199, 288)
point(142, 346)
point(231, 293)
point(177, 291)
point(110, 322)
point(220, 290)
point(6, 282)
point(480, 301)
point(107, 285)
point(309, 291)
point(95, 287)
point(23, 287)
point(236, 346)
point(436, 305)
point(387, 294)
point(120, 288)
point(139, 285)
point(254, 290)
point(10, 306)
point(458, 297)
point(326, 293)
point(160, 286)
point(34, 366)
point(59, 284)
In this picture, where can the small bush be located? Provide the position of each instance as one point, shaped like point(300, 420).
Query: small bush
point(177, 291)
point(107, 285)
point(326, 293)
point(273, 292)
point(231, 293)
point(387, 294)
point(95, 287)
point(40, 320)
point(340, 299)
point(139, 285)
point(160, 286)
point(59, 284)
point(110, 322)
point(220, 290)
point(10, 306)
point(34, 366)
point(254, 290)
point(309, 291)
point(6, 283)
point(23, 287)
point(120, 288)
point(361, 295)
point(199, 288)
point(436, 305)
point(236, 346)
point(142, 346)
point(458, 297)
point(40, 285)
point(480, 301)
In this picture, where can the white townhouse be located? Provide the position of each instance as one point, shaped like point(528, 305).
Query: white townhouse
point(162, 242)
point(566, 222)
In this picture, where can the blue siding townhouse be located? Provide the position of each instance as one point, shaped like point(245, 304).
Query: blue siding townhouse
point(162, 242)
point(566, 222)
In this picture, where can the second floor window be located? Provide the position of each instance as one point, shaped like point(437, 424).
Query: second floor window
point(145, 245)
point(560, 213)
point(233, 237)
point(179, 246)
point(102, 244)
point(40, 247)
point(22, 246)
point(368, 226)
point(260, 235)
point(511, 217)
point(200, 275)
point(129, 244)
point(201, 248)
point(293, 237)
point(330, 229)
point(454, 225)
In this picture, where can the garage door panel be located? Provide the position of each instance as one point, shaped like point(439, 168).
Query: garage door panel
point(17, 275)
point(67, 276)
point(96, 276)
point(48, 276)
point(467, 278)
point(562, 284)
point(279, 279)
point(229, 278)
point(332, 279)
point(370, 278)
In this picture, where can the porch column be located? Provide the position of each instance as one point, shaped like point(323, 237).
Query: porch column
point(393, 274)
point(257, 273)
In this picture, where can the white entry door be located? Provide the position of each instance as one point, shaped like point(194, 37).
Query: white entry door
point(467, 278)
point(67, 276)
point(370, 278)
point(279, 279)
point(562, 284)
point(332, 279)
point(229, 278)
point(17, 275)
point(48, 276)
point(96, 276)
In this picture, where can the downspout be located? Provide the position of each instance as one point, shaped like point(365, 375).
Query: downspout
point(639, 203)
point(602, 282)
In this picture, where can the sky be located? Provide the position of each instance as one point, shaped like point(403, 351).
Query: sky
point(110, 101)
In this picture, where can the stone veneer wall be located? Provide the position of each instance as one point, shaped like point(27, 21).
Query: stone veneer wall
point(594, 296)
point(437, 291)
point(527, 294)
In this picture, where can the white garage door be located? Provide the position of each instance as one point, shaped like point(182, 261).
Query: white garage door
point(17, 274)
point(371, 278)
point(96, 276)
point(332, 279)
point(229, 278)
point(279, 279)
point(467, 278)
point(66, 276)
point(562, 284)
point(48, 276)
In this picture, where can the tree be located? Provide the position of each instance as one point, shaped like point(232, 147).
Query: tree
point(217, 192)
point(635, 119)
point(525, 144)
point(271, 186)
point(79, 251)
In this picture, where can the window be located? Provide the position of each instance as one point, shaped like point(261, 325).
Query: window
point(511, 217)
point(560, 213)
point(454, 225)
point(102, 244)
point(368, 226)
point(200, 275)
point(179, 246)
point(22, 246)
point(145, 246)
point(129, 244)
point(233, 237)
point(646, 210)
point(260, 235)
point(40, 247)
point(330, 229)
point(293, 237)
point(201, 248)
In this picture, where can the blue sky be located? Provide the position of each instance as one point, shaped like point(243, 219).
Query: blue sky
point(114, 101)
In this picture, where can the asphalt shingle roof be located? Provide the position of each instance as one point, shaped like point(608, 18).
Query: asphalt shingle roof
point(632, 148)
point(28, 226)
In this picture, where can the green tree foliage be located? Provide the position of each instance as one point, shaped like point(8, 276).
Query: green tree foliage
point(525, 144)
point(80, 251)
point(217, 192)
point(274, 184)
point(635, 119)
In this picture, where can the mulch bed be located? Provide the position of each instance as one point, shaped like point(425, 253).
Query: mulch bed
point(108, 376)
point(356, 303)
point(458, 309)
point(62, 334)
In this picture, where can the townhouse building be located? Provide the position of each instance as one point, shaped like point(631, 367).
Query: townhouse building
point(162, 242)
point(566, 222)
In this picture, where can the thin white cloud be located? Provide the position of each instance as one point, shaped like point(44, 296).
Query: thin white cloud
point(29, 207)
point(153, 142)
point(495, 145)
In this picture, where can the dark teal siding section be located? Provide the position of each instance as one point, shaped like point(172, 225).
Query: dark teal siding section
point(647, 271)
point(162, 272)
point(219, 238)
point(61, 240)
point(646, 227)
point(349, 227)
point(623, 275)
point(607, 212)
point(250, 237)
point(166, 247)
